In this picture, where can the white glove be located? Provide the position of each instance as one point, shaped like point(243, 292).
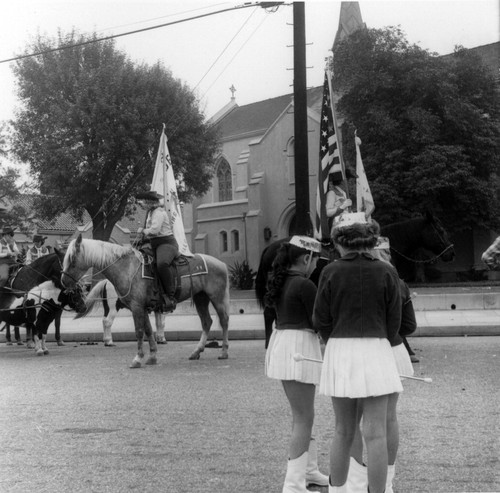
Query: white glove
point(347, 203)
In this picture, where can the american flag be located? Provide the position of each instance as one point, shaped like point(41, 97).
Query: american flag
point(329, 161)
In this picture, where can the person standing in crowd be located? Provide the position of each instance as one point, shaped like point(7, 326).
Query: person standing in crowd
point(357, 481)
point(357, 312)
point(292, 295)
point(8, 246)
point(8, 253)
point(159, 231)
point(336, 197)
point(37, 250)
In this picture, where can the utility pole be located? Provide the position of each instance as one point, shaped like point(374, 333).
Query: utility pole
point(302, 218)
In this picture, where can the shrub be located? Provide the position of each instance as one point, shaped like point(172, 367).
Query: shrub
point(241, 276)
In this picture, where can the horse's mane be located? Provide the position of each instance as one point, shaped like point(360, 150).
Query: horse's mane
point(96, 252)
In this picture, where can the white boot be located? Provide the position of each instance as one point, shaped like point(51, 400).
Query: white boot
point(357, 478)
point(391, 470)
point(313, 476)
point(295, 479)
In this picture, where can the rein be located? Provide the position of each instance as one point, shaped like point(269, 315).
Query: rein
point(427, 261)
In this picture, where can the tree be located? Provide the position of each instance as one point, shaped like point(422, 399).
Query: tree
point(12, 213)
point(429, 127)
point(89, 127)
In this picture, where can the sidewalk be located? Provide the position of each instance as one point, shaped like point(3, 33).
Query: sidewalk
point(445, 312)
point(439, 323)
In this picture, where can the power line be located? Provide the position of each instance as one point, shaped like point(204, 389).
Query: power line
point(264, 5)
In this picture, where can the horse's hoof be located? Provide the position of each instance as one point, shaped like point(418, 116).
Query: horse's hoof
point(45, 351)
point(195, 356)
point(60, 342)
point(39, 352)
point(109, 344)
point(31, 345)
point(20, 343)
point(161, 340)
point(135, 364)
point(151, 360)
point(8, 343)
point(223, 356)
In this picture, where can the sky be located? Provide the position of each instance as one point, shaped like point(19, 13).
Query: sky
point(249, 49)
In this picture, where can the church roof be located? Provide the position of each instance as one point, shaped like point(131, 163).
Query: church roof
point(256, 118)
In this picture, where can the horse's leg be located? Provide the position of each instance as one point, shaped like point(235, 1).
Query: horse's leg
point(201, 301)
point(30, 333)
point(57, 323)
point(160, 328)
point(222, 308)
point(269, 318)
point(8, 339)
point(107, 321)
point(143, 325)
point(17, 336)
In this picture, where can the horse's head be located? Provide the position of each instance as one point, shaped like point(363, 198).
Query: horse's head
point(73, 297)
point(72, 268)
point(435, 238)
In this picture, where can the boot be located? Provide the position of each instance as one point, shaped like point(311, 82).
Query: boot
point(391, 470)
point(313, 476)
point(295, 479)
point(357, 478)
point(167, 282)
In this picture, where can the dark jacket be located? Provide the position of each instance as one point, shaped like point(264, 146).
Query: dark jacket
point(408, 320)
point(358, 296)
point(294, 308)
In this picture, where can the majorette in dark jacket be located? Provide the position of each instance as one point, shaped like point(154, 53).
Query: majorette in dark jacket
point(294, 308)
point(369, 287)
point(408, 320)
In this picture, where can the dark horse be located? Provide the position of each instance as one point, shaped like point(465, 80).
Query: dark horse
point(46, 268)
point(405, 238)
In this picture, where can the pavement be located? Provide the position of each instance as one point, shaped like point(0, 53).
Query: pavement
point(440, 311)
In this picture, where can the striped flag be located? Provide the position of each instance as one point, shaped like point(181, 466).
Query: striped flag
point(164, 184)
point(364, 199)
point(330, 161)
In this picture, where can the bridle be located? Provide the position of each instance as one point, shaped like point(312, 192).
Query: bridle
point(430, 260)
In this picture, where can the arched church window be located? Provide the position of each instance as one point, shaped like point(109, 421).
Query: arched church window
point(224, 180)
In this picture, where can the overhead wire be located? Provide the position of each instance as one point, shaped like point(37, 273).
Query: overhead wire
point(138, 175)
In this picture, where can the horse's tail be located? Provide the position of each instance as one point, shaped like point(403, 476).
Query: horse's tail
point(261, 279)
point(94, 298)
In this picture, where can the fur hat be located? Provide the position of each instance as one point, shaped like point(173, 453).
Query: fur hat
point(151, 195)
point(306, 243)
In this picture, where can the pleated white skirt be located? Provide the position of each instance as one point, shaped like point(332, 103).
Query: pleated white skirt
point(280, 362)
point(403, 361)
point(358, 368)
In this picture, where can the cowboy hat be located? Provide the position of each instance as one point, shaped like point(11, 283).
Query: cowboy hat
point(7, 230)
point(151, 195)
point(37, 238)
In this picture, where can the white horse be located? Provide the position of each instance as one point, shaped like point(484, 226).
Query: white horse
point(104, 293)
point(207, 282)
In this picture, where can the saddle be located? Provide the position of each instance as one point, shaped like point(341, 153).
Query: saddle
point(182, 267)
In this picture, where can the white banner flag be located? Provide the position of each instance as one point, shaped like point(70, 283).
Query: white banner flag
point(364, 199)
point(164, 184)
